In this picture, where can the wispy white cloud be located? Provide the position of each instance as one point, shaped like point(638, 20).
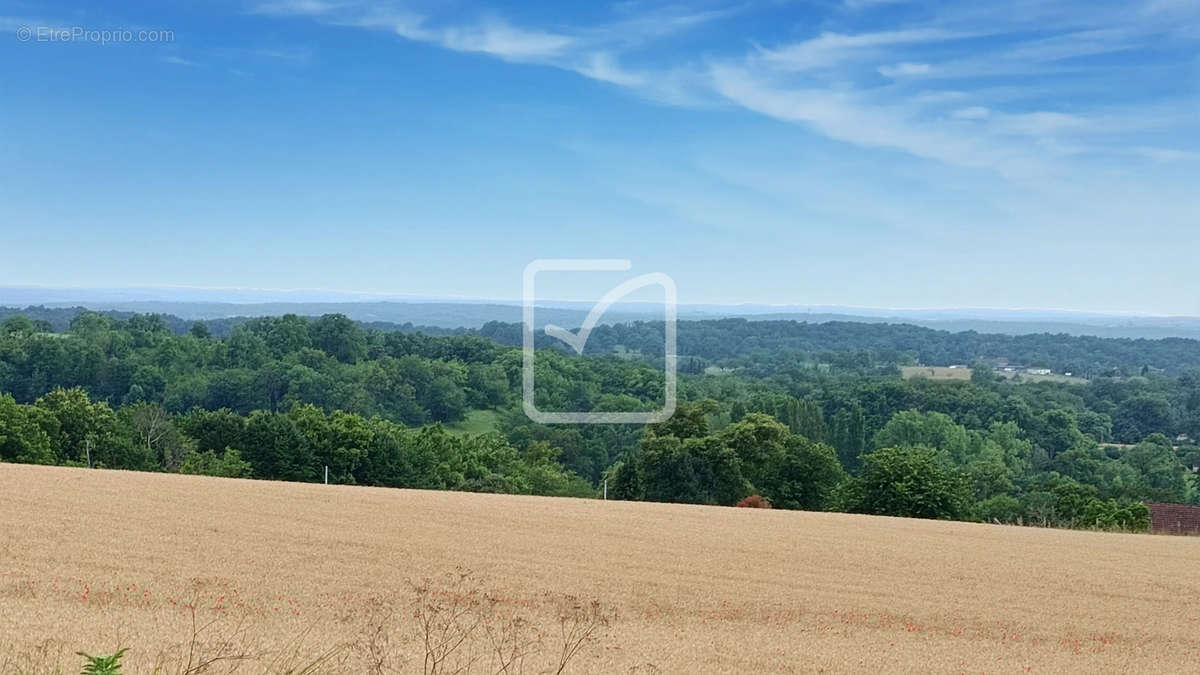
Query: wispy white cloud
point(849, 117)
point(905, 69)
point(640, 24)
point(604, 67)
point(975, 112)
point(498, 38)
point(1042, 124)
point(836, 49)
point(491, 35)
point(593, 51)
point(297, 7)
point(993, 116)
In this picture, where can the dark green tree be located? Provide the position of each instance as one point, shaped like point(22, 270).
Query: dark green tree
point(23, 436)
point(277, 449)
point(914, 482)
point(339, 337)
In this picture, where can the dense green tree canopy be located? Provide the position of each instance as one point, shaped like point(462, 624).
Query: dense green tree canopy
point(807, 416)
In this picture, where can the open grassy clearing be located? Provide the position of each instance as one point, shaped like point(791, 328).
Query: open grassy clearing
point(935, 372)
point(476, 422)
point(95, 559)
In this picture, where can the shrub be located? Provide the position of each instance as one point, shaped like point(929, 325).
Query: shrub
point(229, 465)
point(102, 665)
point(754, 502)
point(1000, 509)
point(1112, 515)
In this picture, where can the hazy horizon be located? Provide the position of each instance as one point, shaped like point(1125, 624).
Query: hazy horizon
point(230, 295)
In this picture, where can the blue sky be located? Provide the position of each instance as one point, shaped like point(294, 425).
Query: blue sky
point(858, 152)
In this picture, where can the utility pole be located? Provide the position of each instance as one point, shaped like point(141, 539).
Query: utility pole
point(327, 474)
point(606, 488)
point(87, 447)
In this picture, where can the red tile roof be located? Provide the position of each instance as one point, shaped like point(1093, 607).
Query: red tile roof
point(1174, 518)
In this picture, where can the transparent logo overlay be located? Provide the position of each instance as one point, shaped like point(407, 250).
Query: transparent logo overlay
point(578, 340)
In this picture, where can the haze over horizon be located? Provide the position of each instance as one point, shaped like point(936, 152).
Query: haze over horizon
point(57, 295)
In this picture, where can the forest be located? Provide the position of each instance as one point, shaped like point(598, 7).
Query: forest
point(802, 416)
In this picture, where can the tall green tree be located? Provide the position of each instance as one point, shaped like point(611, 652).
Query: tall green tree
point(86, 429)
point(23, 436)
point(1162, 476)
point(848, 432)
point(339, 337)
point(935, 430)
point(277, 449)
point(913, 481)
point(1141, 415)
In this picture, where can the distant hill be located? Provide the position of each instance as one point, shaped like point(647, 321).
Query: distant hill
point(439, 314)
point(1113, 327)
point(444, 313)
point(770, 345)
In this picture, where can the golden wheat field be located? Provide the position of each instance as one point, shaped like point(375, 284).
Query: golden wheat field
point(278, 577)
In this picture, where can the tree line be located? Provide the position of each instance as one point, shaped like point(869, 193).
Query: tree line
point(273, 363)
point(918, 465)
point(66, 427)
point(762, 345)
point(284, 397)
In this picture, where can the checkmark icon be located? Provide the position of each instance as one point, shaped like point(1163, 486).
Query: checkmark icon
point(577, 340)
